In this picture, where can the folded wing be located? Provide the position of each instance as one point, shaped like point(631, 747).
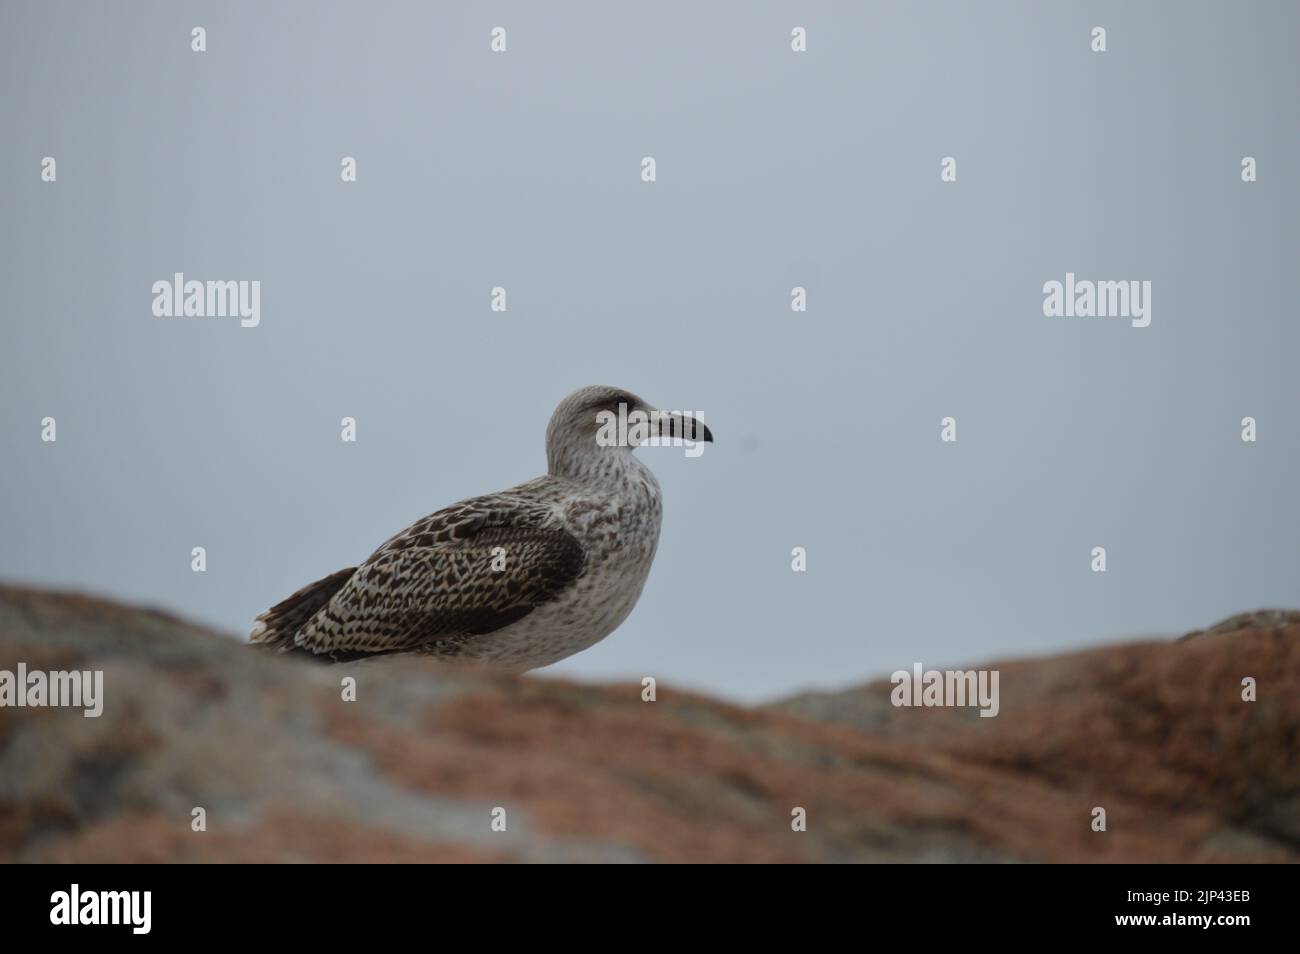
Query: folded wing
point(461, 573)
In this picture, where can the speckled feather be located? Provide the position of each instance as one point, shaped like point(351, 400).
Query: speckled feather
point(520, 578)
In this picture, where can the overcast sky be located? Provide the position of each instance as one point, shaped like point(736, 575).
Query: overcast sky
point(775, 169)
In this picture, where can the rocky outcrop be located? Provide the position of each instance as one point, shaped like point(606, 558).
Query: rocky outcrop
point(426, 758)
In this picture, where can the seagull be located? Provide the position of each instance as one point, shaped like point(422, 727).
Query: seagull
point(517, 579)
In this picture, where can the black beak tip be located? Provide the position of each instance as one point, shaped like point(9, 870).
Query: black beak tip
point(708, 434)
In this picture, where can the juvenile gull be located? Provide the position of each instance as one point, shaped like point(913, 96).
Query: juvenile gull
point(521, 578)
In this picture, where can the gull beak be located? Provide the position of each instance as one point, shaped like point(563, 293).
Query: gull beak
point(685, 427)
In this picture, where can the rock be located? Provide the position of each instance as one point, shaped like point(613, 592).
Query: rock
point(285, 770)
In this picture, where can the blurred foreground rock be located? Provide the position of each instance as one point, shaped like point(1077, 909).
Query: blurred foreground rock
point(1155, 733)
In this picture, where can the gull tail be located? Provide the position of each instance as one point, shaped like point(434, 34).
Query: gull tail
point(276, 628)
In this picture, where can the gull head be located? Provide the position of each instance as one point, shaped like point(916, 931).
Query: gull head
point(599, 420)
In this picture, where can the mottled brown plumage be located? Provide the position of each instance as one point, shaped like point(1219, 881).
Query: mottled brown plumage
point(522, 578)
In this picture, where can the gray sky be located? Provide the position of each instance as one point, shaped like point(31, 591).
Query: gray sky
point(775, 169)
